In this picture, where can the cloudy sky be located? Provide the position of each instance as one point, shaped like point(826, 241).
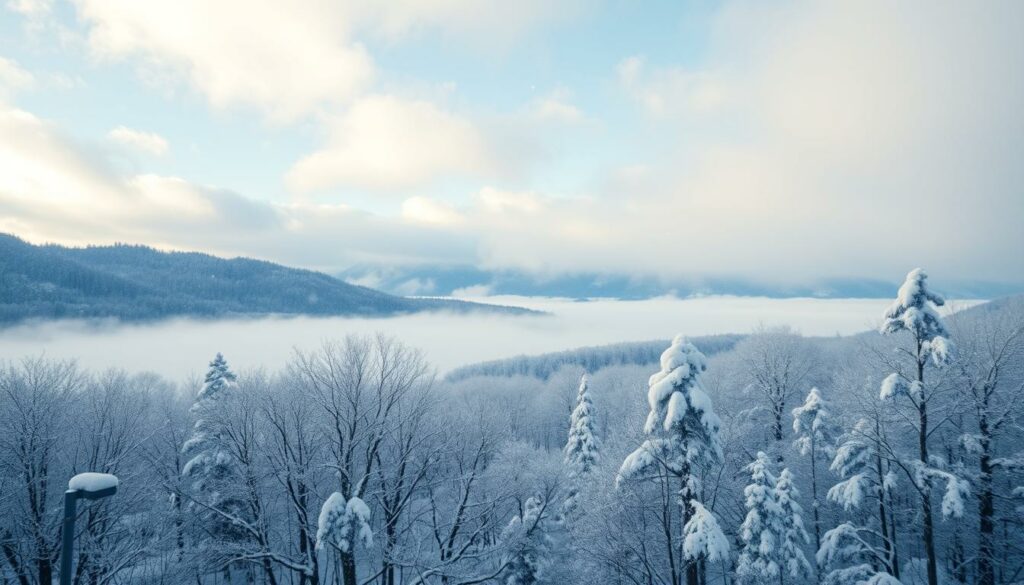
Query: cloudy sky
point(781, 141)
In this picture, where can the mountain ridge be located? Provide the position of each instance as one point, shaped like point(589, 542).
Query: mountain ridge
point(138, 283)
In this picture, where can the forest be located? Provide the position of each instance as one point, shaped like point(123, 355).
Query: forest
point(892, 456)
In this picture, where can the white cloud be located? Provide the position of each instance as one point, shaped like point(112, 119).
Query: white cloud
point(53, 189)
point(13, 77)
point(491, 24)
point(429, 211)
point(670, 90)
point(557, 108)
point(148, 142)
point(385, 143)
point(287, 59)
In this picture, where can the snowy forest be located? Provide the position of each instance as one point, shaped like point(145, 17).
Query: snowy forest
point(893, 456)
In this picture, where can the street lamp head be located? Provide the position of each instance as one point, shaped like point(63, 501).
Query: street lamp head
point(93, 486)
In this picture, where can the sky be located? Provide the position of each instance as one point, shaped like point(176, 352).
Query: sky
point(780, 141)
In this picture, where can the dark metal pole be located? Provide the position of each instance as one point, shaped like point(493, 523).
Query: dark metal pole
point(66, 562)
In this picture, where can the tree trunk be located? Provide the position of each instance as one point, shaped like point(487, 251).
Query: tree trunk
point(45, 566)
point(926, 494)
point(348, 568)
point(986, 510)
point(692, 568)
point(814, 495)
point(883, 518)
point(894, 530)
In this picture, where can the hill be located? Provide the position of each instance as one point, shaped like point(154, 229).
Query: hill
point(138, 283)
point(591, 359)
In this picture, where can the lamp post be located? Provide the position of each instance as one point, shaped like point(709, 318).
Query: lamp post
point(91, 486)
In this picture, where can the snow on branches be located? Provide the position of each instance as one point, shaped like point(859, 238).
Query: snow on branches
point(681, 416)
point(773, 530)
point(914, 311)
point(813, 426)
point(702, 536)
point(582, 449)
point(342, 524)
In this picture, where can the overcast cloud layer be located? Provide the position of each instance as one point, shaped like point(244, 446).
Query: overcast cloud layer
point(784, 142)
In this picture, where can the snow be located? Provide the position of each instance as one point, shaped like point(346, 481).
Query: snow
point(359, 514)
point(773, 531)
point(92, 482)
point(582, 448)
point(330, 513)
point(792, 535)
point(941, 350)
point(813, 425)
point(914, 310)
point(953, 498)
point(703, 536)
point(850, 492)
point(893, 385)
point(853, 463)
point(637, 462)
point(339, 519)
point(882, 579)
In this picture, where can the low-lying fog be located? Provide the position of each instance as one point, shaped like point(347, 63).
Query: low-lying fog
point(181, 347)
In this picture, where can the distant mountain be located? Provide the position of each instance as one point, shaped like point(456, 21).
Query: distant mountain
point(441, 280)
point(137, 283)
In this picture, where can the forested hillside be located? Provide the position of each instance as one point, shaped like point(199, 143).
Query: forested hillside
point(590, 359)
point(890, 457)
point(139, 283)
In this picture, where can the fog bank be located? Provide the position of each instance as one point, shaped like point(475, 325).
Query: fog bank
point(179, 347)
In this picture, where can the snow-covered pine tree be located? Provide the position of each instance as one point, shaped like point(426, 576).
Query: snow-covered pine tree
point(760, 529)
point(218, 378)
point(914, 311)
point(865, 473)
point(792, 536)
point(528, 537)
point(816, 437)
point(683, 438)
point(848, 551)
point(582, 449)
point(210, 466)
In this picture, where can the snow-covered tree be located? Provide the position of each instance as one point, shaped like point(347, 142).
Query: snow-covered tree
point(777, 363)
point(343, 523)
point(218, 378)
point(582, 449)
point(212, 469)
point(816, 434)
point(990, 363)
point(683, 439)
point(528, 537)
point(792, 535)
point(761, 526)
point(772, 532)
point(914, 311)
point(864, 472)
point(361, 388)
point(852, 558)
